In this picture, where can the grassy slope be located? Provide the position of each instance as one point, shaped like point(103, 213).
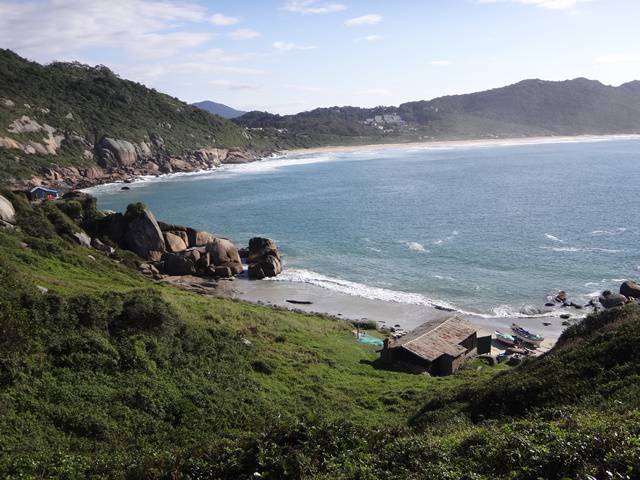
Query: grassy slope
point(110, 374)
point(100, 103)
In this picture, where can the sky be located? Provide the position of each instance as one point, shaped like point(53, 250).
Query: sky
point(286, 56)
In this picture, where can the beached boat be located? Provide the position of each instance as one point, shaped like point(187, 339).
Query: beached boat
point(526, 336)
point(505, 338)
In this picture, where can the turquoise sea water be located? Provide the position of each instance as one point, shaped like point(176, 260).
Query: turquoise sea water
point(485, 229)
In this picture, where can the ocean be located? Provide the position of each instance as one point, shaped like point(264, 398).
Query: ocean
point(490, 229)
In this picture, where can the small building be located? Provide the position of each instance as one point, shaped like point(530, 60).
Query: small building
point(439, 347)
point(42, 193)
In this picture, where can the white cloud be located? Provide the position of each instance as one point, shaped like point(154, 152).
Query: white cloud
point(370, 38)
point(244, 34)
point(313, 7)
point(549, 4)
point(305, 88)
point(441, 62)
point(228, 85)
point(286, 46)
point(618, 58)
point(45, 29)
point(370, 19)
point(223, 20)
point(374, 91)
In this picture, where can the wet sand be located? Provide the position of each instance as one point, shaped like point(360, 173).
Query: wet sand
point(348, 307)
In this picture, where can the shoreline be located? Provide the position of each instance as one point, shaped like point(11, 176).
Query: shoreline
point(489, 142)
point(385, 313)
point(426, 145)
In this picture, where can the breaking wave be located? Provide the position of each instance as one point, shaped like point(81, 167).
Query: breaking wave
point(387, 295)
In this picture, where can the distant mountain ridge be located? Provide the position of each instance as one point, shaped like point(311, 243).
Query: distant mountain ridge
point(524, 109)
point(219, 109)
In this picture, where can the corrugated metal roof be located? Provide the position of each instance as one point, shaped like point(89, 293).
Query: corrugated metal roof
point(50, 190)
point(437, 337)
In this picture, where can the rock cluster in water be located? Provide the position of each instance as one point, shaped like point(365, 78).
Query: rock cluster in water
point(176, 250)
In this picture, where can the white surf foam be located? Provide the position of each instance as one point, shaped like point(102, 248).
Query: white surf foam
point(356, 289)
point(264, 165)
point(415, 246)
point(387, 295)
point(562, 249)
point(553, 238)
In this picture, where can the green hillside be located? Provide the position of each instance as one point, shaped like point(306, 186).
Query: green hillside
point(105, 374)
point(528, 108)
point(84, 104)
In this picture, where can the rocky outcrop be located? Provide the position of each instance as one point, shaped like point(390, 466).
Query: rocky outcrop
point(609, 299)
point(173, 242)
point(114, 153)
point(174, 264)
point(198, 239)
point(143, 235)
point(630, 289)
point(7, 212)
point(263, 258)
point(223, 253)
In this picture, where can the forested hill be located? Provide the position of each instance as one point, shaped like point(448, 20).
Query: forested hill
point(527, 108)
point(224, 111)
point(58, 114)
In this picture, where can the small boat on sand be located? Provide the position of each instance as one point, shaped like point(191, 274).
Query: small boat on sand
point(505, 338)
point(526, 336)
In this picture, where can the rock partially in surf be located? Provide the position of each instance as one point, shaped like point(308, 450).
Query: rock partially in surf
point(223, 253)
point(175, 264)
point(561, 297)
point(630, 289)
point(263, 258)
point(269, 266)
point(565, 316)
point(531, 310)
point(609, 299)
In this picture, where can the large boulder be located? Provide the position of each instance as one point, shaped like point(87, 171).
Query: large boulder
point(142, 234)
point(609, 299)
point(174, 243)
point(7, 212)
point(269, 266)
point(115, 153)
point(630, 289)
point(168, 227)
point(263, 258)
point(199, 239)
point(223, 253)
point(175, 264)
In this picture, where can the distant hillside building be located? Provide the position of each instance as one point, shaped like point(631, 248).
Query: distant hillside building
point(439, 347)
point(42, 193)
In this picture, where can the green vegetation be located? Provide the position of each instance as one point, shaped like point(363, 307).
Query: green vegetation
point(86, 103)
point(109, 375)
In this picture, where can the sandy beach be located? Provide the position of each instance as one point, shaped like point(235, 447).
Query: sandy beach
point(349, 307)
point(489, 142)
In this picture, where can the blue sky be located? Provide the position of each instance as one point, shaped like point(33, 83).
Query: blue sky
point(286, 56)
